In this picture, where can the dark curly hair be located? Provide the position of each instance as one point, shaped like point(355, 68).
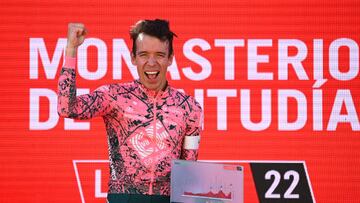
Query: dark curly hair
point(157, 28)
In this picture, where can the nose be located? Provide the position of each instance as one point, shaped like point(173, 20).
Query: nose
point(151, 60)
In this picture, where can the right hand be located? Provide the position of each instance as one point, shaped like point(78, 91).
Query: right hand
point(75, 37)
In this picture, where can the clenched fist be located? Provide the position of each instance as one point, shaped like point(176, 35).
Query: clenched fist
point(75, 37)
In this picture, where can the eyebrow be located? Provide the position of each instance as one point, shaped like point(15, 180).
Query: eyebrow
point(145, 52)
point(141, 52)
point(160, 52)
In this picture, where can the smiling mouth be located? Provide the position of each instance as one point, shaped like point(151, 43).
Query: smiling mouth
point(152, 74)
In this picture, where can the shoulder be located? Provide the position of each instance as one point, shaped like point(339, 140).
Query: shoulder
point(192, 109)
point(117, 87)
point(187, 101)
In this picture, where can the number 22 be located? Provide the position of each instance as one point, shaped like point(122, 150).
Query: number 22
point(288, 194)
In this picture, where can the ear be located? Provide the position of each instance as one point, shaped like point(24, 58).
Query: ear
point(133, 58)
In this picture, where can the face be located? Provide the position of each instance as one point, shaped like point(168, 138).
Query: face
point(152, 60)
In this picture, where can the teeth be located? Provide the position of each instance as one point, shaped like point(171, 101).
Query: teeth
point(151, 72)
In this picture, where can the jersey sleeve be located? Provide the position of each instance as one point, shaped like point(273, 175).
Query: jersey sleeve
point(191, 141)
point(86, 106)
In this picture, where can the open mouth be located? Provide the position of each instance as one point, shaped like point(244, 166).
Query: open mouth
point(152, 74)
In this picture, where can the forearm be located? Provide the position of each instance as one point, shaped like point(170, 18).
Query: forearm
point(67, 89)
point(191, 142)
point(67, 83)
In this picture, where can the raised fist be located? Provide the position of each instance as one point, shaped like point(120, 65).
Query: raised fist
point(76, 35)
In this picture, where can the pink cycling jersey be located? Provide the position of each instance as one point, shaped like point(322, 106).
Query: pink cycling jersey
point(145, 130)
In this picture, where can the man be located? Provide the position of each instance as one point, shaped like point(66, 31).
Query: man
point(148, 122)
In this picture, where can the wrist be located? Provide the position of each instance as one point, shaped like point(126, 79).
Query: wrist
point(70, 51)
point(70, 62)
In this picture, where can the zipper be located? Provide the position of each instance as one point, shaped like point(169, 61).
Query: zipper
point(154, 140)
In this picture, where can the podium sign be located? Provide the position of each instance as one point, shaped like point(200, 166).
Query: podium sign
point(201, 182)
point(281, 182)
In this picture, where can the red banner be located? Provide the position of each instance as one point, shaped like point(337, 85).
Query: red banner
point(278, 81)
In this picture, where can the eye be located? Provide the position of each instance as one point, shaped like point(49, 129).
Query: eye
point(160, 55)
point(143, 55)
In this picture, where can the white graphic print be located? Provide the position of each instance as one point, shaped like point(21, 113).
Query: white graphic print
point(146, 144)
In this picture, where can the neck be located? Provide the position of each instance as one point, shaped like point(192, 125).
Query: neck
point(155, 91)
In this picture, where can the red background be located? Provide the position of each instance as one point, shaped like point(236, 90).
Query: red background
point(37, 166)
